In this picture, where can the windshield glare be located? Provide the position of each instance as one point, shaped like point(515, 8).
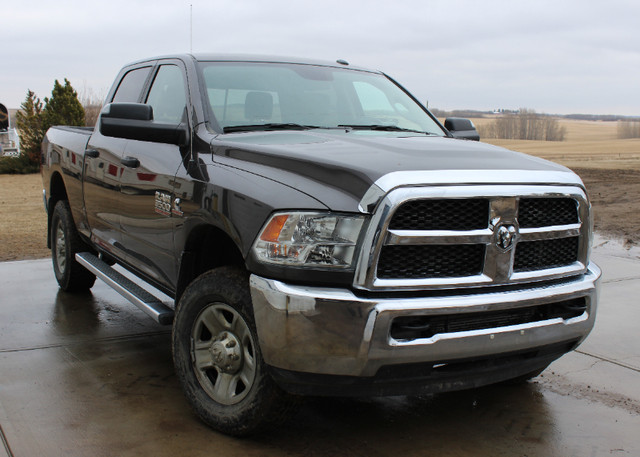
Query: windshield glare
point(242, 93)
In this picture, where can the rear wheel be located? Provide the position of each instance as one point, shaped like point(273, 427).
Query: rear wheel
point(218, 359)
point(65, 243)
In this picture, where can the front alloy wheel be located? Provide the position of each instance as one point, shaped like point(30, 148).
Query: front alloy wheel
point(218, 359)
point(224, 356)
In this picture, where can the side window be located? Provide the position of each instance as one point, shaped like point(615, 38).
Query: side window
point(131, 85)
point(167, 95)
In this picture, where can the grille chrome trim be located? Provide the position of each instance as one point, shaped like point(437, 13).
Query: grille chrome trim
point(498, 264)
point(417, 237)
point(426, 178)
point(549, 233)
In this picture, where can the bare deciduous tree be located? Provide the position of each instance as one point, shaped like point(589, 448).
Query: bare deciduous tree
point(524, 125)
point(92, 103)
point(629, 129)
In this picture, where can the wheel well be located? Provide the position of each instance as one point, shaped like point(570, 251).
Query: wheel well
point(57, 192)
point(206, 248)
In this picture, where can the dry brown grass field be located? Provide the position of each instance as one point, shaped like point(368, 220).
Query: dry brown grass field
point(610, 168)
point(588, 144)
point(23, 221)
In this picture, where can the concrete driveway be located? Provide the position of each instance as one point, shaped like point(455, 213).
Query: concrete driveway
point(92, 376)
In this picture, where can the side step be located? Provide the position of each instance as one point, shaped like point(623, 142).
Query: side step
point(127, 288)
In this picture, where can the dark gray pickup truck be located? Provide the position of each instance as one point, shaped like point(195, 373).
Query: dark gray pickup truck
point(320, 233)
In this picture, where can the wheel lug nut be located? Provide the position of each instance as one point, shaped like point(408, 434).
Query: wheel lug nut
point(231, 344)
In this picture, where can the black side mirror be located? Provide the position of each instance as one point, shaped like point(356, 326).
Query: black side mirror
point(134, 121)
point(461, 128)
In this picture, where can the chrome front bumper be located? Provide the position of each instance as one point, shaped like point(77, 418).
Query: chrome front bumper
point(334, 332)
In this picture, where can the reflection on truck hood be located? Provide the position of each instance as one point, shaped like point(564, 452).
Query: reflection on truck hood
point(339, 167)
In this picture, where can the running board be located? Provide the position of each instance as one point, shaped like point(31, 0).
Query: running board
point(148, 303)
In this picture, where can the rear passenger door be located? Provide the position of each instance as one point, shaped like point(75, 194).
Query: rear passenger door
point(149, 211)
point(103, 167)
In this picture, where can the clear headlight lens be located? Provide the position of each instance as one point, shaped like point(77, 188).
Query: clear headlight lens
point(309, 239)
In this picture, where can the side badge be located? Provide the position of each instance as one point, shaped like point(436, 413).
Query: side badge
point(163, 203)
point(164, 206)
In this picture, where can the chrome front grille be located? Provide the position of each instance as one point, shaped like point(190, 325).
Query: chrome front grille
point(471, 236)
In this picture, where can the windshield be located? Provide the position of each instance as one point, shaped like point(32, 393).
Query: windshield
point(266, 96)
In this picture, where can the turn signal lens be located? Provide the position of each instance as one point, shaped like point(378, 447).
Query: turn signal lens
point(272, 231)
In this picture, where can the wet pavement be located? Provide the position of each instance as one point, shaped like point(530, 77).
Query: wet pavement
point(91, 375)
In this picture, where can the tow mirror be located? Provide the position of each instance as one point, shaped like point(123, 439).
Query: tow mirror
point(134, 121)
point(461, 128)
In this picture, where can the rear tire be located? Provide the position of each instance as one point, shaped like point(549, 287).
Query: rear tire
point(218, 359)
point(65, 243)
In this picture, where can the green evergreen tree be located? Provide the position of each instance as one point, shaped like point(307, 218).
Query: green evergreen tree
point(31, 127)
point(63, 108)
point(33, 120)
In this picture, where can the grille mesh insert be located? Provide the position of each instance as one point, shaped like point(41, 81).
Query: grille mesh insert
point(544, 212)
point(537, 255)
point(430, 261)
point(442, 214)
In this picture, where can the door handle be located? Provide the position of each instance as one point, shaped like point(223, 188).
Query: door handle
point(93, 153)
point(130, 162)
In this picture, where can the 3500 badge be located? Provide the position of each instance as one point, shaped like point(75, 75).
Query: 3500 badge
point(163, 205)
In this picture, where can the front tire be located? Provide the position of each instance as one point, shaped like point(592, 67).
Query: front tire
point(218, 359)
point(65, 243)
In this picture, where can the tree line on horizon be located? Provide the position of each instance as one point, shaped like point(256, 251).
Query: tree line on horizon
point(439, 113)
point(527, 124)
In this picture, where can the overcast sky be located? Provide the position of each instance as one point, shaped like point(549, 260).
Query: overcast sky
point(560, 56)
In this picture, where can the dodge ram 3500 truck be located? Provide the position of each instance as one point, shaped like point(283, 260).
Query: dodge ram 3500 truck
point(320, 233)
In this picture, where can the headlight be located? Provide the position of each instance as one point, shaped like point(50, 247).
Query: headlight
point(309, 239)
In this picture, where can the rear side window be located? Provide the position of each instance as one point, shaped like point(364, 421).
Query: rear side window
point(131, 85)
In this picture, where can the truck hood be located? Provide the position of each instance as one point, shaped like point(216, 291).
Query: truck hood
point(339, 168)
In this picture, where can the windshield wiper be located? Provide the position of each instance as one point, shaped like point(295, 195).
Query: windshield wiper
point(293, 126)
point(265, 127)
point(384, 128)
